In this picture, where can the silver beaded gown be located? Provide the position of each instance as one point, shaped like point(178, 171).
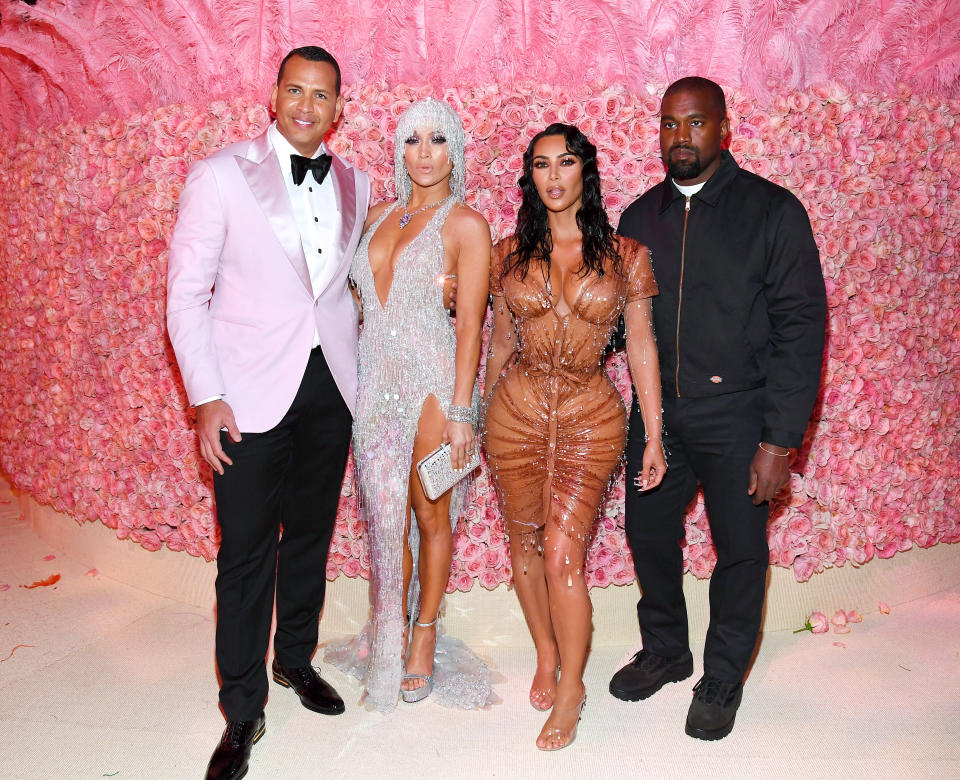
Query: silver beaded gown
point(407, 352)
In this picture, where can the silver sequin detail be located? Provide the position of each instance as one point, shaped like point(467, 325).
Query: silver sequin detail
point(407, 352)
point(436, 115)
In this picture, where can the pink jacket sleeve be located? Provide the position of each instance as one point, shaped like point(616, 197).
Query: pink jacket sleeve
point(194, 259)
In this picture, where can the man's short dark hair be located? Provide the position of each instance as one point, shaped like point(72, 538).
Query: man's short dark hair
point(700, 84)
point(314, 54)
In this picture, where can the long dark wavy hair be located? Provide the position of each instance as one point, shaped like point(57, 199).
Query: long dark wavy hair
point(533, 233)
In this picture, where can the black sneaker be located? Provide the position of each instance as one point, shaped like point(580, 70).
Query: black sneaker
point(647, 673)
point(714, 708)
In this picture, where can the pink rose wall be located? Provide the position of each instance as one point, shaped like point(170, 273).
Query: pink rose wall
point(93, 417)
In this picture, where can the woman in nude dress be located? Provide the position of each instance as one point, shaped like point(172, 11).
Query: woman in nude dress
point(417, 388)
point(555, 425)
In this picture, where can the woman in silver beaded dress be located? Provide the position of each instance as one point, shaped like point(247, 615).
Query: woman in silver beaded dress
point(555, 425)
point(417, 389)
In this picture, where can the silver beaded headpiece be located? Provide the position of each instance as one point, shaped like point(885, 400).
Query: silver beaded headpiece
point(435, 115)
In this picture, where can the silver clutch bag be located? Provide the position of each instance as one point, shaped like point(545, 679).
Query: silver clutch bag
point(437, 475)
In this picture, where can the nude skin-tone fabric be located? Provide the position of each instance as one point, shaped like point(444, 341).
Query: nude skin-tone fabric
point(555, 425)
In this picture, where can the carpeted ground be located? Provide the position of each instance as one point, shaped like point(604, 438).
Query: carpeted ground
point(99, 679)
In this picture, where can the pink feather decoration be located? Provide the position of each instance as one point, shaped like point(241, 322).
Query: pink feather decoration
point(772, 60)
point(718, 49)
point(74, 59)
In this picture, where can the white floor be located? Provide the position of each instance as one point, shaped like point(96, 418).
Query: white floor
point(106, 680)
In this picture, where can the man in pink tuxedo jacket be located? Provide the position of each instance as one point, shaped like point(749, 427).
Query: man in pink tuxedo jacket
point(265, 331)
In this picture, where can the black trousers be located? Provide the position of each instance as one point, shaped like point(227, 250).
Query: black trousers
point(288, 477)
point(711, 441)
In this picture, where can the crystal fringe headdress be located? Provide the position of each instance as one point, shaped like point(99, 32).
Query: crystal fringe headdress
point(435, 115)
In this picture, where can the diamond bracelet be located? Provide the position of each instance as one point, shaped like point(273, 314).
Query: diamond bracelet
point(460, 414)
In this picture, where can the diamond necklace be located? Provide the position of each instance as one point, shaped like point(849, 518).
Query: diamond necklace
point(408, 215)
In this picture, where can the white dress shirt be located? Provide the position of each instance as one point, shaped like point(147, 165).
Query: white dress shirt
point(315, 211)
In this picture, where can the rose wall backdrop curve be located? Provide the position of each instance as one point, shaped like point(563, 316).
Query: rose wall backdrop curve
point(93, 417)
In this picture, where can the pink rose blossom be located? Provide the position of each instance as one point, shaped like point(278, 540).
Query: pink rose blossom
point(652, 167)
point(489, 579)
point(818, 622)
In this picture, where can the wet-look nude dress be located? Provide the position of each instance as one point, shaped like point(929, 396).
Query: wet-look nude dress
point(555, 425)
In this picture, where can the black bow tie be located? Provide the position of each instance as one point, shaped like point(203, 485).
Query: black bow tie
point(299, 166)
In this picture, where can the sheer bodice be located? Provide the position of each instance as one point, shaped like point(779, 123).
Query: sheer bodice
point(407, 345)
point(556, 426)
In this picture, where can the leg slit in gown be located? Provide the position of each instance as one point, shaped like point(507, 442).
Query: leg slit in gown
point(377, 655)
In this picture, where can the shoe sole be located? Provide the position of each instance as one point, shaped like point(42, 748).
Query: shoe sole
point(559, 747)
point(410, 697)
point(413, 695)
point(645, 693)
point(280, 681)
point(710, 735)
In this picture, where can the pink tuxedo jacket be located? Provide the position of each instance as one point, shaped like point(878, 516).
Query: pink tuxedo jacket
point(240, 308)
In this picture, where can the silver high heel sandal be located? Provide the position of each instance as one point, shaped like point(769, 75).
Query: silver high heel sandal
point(421, 693)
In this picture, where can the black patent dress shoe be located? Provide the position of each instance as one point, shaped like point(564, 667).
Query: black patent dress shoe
point(714, 708)
point(647, 673)
point(315, 693)
point(230, 761)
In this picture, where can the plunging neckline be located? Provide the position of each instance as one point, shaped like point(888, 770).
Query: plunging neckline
point(396, 266)
point(547, 288)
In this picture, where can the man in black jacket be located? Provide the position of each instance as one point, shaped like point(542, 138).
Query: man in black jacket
point(740, 330)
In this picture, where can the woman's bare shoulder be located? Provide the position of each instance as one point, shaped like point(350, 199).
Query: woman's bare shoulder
point(375, 211)
point(467, 221)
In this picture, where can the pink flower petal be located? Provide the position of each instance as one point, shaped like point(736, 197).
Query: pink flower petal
point(49, 557)
point(4, 587)
point(839, 618)
point(839, 644)
point(854, 617)
point(92, 573)
point(884, 608)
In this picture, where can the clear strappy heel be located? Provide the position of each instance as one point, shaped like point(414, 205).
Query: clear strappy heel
point(565, 737)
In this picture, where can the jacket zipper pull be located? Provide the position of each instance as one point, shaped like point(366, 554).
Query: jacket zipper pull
point(687, 207)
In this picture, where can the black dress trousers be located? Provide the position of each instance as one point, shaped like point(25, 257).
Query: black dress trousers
point(711, 441)
point(286, 478)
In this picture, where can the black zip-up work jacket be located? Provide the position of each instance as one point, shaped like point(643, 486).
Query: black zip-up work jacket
point(742, 301)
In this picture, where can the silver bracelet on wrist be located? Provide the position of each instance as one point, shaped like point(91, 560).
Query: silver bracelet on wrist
point(460, 414)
